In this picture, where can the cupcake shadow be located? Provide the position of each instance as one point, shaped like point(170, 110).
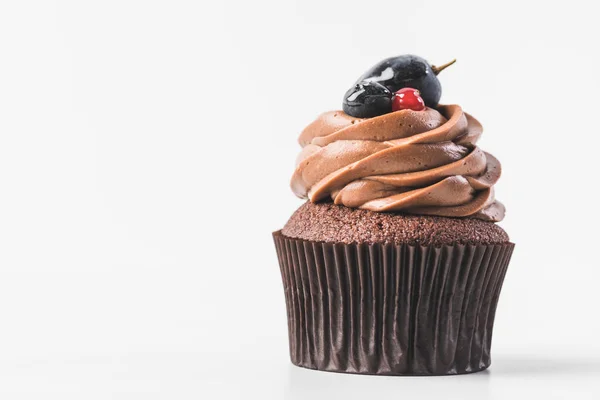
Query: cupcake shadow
point(523, 365)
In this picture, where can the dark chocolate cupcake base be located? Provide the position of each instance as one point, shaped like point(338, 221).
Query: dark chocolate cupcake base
point(391, 309)
point(327, 222)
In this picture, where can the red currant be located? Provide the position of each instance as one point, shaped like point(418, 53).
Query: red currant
point(407, 99)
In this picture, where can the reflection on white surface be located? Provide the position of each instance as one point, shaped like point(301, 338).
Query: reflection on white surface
point(509, 377)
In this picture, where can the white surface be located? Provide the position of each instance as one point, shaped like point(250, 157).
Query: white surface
point(141, 139)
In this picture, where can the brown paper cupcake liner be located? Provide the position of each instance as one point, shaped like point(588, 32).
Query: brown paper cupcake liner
point(391, 309)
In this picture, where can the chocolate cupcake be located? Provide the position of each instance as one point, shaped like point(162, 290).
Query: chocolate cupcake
point(394, 266)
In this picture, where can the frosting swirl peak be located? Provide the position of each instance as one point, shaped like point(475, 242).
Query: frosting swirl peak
point(417, 162)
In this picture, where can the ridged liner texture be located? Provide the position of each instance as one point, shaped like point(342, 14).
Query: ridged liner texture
point(390, 309)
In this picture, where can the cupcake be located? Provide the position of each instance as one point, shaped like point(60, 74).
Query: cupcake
point(395, 263)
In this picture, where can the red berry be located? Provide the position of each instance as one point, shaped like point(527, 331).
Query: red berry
point(407, 99)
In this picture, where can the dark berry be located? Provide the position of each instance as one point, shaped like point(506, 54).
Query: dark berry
point(367, 99)
point(407, 99)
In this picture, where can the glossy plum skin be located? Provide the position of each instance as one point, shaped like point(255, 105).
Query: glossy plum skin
point(367, 100)
point(403, 71)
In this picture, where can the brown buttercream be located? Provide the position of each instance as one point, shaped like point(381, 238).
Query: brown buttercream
point(417, 162)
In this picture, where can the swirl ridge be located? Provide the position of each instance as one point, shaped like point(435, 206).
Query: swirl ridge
point(417, 162)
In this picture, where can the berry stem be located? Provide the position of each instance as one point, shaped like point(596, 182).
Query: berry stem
point(437, 70)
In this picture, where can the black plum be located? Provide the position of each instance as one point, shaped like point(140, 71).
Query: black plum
point(367, 99)
point(408, 70)
point(399, 72)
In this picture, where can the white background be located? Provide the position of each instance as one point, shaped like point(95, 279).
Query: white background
point(145, 154)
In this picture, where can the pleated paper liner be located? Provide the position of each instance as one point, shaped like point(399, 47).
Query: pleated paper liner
point(391, 309)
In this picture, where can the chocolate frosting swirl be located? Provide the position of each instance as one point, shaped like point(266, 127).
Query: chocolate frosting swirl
point(417, 162)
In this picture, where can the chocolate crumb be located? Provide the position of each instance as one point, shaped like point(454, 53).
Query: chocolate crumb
point(327, 222)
